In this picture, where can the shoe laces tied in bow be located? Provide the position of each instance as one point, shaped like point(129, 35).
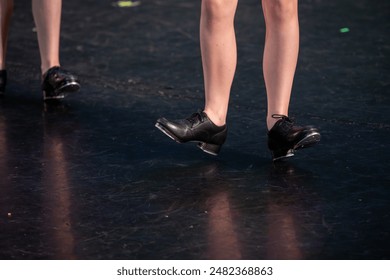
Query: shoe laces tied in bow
point(196, 118)
point(285, 124)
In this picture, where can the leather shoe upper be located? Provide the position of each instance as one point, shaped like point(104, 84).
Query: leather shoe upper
point(284, 134)
point(55, 79)
point(198, 127)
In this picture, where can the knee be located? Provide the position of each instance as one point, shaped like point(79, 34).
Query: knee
point(280, 10)
point(219, 10)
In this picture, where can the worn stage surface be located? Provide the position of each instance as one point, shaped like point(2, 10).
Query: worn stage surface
point(92, 178)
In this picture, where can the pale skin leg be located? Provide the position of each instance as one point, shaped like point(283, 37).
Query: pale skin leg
point(219, 55)
point(47, 17)
point(280, 54)
point(6, 8)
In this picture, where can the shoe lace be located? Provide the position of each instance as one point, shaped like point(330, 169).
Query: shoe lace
point(283, 117)
point(196, 118)
point(285, 125)
point(53, 73)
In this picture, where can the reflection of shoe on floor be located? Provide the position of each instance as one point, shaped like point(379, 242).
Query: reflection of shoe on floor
point(284, 138)
point(283, 174)
point(197, 128)
point(3, 81)
point(57, 82)
point(55, 106)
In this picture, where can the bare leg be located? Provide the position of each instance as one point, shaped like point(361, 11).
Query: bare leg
point(47, 16)
point(280, 54)
point(219, 55)
point(6, 8)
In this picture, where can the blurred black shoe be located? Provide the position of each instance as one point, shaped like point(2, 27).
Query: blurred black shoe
point(57, 82)
point(284, 138)
point(3, 81)
point(197, 128)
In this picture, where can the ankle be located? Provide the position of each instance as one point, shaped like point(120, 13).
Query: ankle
point(46, 67)
point(272, 120)
point(216, 119)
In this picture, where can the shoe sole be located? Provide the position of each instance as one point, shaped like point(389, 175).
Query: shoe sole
point(62, 91)
point(210, 149)
point(309, 141)
point(289, 153)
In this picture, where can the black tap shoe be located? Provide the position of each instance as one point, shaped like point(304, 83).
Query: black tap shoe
point(284, 138)
point(197, 128)
point(57, 82)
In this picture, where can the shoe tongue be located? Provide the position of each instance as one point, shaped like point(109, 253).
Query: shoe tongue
point(284, 126)
point(196, 118)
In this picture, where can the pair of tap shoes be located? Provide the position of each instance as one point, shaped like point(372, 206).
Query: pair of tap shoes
point(284, 138)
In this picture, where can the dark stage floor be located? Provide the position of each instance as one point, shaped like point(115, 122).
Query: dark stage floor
point(92, 178)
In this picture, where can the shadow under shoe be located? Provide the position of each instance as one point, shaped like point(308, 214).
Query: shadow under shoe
point(57, 82)
point(284, 137)
point(196, 128)
point(3, 81)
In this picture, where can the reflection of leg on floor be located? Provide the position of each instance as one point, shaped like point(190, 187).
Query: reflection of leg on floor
point(5, 189)
point(223, 239)
point(3, 145)
point(282, 234)
point(283, 229)
point(57, 200)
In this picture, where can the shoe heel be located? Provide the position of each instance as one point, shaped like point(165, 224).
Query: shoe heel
point(281, 154)
point(212, 149)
